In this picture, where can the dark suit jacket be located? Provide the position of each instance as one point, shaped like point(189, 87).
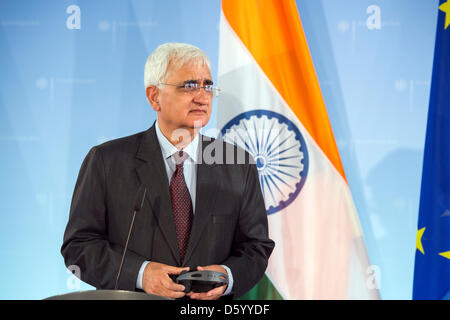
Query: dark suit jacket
point(229, 227)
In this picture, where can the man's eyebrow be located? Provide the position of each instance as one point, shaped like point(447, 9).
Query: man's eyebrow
point(191, 81)
point(207, 82)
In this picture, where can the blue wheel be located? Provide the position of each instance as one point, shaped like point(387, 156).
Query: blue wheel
point(279, 151)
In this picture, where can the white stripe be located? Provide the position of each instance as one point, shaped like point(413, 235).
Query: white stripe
point(310, 260)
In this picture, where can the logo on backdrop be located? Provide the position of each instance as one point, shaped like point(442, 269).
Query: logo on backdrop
point(279, 151)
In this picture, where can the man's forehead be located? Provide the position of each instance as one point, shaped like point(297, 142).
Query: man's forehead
point(191, 69)
point(190, 77)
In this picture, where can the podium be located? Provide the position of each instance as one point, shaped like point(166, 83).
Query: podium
point(106, 295)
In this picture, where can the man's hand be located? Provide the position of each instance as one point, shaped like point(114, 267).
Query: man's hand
point(156, 280)
point(213, 294)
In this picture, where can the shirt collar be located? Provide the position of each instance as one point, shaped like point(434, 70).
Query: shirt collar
point(168, 149)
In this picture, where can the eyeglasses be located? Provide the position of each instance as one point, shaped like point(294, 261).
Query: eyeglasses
point(194, 88)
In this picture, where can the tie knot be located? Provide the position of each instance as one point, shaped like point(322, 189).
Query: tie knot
point(179, 157)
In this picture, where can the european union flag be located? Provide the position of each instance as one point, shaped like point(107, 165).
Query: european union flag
point(432, 263)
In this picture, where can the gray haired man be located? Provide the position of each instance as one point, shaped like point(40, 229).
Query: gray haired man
point(196, 214)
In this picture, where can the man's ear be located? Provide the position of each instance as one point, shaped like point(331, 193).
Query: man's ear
point(152, 93)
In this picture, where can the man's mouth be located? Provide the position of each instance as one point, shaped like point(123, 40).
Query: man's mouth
point(200, 111)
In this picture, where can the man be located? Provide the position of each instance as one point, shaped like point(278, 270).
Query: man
point(197, 212)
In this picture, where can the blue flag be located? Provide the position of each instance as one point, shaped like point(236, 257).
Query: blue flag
point(432, 262)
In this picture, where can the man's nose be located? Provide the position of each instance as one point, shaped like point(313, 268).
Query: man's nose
point(201, 96)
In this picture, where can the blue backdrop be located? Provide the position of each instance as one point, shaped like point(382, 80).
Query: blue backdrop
point(71, 76)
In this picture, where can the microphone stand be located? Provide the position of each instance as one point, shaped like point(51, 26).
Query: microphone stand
point(136, 208)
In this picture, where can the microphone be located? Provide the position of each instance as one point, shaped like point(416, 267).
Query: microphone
point(138, 203)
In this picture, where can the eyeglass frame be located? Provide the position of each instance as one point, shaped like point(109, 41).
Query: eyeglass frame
point(215, 91)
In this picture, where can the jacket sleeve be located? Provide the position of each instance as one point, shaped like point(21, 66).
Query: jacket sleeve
point(86, 243)
point(252, 246)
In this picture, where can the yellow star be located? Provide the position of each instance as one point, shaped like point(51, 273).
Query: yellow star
point(445, 254)
point(419, 240)
point(445, 7)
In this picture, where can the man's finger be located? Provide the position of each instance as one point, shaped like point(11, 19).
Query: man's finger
point(165, 292)
point(212, 294)
point(175, 294)
point(213, 268)
point(174, 270)
point(170, 285)
point(203, 296)
point(217, 291)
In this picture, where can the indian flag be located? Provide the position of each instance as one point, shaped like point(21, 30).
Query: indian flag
point(271, 105)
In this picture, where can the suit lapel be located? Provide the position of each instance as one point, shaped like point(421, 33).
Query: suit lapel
point(205, 197)
point(153, 174)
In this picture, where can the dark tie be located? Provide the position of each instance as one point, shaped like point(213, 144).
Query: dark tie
point(181, 204)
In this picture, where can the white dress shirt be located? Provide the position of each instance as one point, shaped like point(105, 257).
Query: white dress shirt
point(190, 176)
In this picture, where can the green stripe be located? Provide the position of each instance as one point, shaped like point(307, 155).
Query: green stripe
point(263, 290)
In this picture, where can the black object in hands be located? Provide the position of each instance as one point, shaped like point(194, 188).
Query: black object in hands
point(201, 281)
